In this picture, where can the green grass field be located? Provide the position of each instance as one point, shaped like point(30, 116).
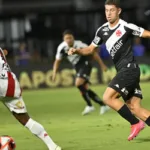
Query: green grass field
point(60, 110)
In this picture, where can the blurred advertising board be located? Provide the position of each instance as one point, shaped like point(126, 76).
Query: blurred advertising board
point(39, 76)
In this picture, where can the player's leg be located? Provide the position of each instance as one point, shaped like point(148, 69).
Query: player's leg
point(104, 108)
point(18, 109)
point(95, 97)
point(110, 98)
point(123, 84)
point(83, 74)
point(79, 82)
point(98, 100)
point(134, 105)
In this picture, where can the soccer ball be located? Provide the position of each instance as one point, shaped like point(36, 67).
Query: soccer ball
point(7, 143)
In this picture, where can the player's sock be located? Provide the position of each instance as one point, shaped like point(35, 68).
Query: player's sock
point(85, 94)
point(126, 114)
point(38, 130)
point(95, 97)
point(148, 121)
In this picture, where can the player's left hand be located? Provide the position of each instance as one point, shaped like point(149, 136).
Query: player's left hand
point(72, 51)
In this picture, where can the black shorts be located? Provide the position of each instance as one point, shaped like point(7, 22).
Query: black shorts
point(126, 82)
point(83, 70)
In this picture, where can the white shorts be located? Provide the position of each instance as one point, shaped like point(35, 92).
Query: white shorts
point(16, 105)
point(10, 92)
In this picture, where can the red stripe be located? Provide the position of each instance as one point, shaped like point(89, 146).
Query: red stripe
point(11, 86)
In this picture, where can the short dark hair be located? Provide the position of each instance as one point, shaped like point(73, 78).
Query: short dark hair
point(67, 32)
point(113, 2)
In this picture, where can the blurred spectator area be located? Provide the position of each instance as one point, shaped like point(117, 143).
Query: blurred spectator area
point(40, 23)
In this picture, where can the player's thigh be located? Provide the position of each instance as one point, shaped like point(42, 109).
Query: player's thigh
point(109, 94)
point(15, 105)
point(84, 71)
point(79, 81)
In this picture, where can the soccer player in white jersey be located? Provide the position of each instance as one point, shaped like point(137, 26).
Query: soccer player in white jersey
point(10, 94)
point(117, 35)
point(83, 67)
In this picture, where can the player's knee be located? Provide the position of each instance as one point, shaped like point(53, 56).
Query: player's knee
point(135, 108)
point(77, 84)
point(82, 89)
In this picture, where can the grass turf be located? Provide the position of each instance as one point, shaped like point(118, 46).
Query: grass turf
point(59, 111)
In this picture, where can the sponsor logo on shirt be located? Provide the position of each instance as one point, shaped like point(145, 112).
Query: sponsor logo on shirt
point(115, 48)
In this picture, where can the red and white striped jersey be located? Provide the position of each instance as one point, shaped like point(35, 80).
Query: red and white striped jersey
point(9, 86)
point(3, 62)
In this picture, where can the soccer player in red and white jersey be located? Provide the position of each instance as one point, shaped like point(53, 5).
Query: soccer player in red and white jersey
point(10, 94)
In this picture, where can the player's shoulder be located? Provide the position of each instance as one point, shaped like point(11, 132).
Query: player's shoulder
point(104, 27)
point(78, 42)
point(61, 46)
point(127, 25)
point(123, 22)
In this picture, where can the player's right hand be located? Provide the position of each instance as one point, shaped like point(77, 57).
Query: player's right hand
point(72, 51)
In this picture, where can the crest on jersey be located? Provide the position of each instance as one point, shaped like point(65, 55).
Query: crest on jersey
point(118, 33)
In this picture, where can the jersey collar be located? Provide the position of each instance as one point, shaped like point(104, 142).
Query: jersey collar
point(112, 28)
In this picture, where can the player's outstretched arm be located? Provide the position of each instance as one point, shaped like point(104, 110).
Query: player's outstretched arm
point(98, 59)
point(146, 34)
point(84, 51)
point(55, 68)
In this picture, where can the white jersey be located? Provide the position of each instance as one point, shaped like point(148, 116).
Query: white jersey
point(3, 63)
point(9, 86)
point(10, 91)
point(63, 48)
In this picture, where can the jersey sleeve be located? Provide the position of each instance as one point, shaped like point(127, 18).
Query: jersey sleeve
point(134, 29)
point(59, 54)
point(98, 38)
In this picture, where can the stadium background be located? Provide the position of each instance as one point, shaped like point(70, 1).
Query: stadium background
point(31, 30)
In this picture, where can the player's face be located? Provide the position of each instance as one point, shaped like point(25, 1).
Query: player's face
point(112, 13)
point(69, 39)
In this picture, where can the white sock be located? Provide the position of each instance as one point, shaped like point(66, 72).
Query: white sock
point(38, 130)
